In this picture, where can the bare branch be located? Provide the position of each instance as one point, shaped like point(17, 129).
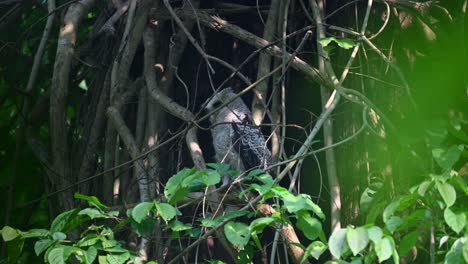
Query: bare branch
point(58, 96)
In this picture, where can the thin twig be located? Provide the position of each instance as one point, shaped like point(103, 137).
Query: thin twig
point(187, 33)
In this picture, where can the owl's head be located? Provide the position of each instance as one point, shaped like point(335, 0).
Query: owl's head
point(220, 98)
point(235, 110)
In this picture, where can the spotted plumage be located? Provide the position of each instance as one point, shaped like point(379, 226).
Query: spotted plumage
point(235, 139)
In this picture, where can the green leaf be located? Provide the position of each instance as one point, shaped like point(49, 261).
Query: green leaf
point(166, 211)
point(14, 250)
point(141, 211)
point(9, 233)
point(342, 43)
point(34, 233)
point(254, 174)
point(294, 203)
point(68, 251)
point(455, 254)
point(145, 227)
point(59, 236)
point(88, 240)
point(83, 85)
point(357, 239)
point(56, 256)
point(345, 43)
point(174, 190)
point(375, 234)
point(92, 213)
point(461, 184)
point(423, 187)
point(456, 221)
point(368, 196)
point(109, 243)
point(237, 233)
point(65, 221)
point(384, 249)
point(447, 192)
point(315, 249)
point(408, 242)
point(91, 254)
point(117, 259)
point(92, 200)
point(310, 226)
point(266, 179)
point(325, 41)
point(179, 226)
point(42, 245)
point(390, 209)
point(208, 222)
point(447, 158)
point(337, 243)
point(221, 168)
point(201, 179)
point(394, 223)
point(233, 214)
point(259, 224)
point(194, 232)
point(117, 249)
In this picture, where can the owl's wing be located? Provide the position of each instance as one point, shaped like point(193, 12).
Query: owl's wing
point(251, 146)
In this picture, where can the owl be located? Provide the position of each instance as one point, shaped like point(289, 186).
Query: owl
point(236, 140)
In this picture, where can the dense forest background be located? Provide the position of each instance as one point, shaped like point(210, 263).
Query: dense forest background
point(363, 103)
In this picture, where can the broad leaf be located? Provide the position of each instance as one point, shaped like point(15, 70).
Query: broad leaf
point(88, 240)
point(343, 43)
point(394, 223)
point(423, 187)
point(390, 209)
point(384, 249)
point(357, 239)
point(92, 200)
point(447, 192)
point(259, 224)
point(408, 242)
point(118, 259)
point(315, 249)
point(59, 236)
point(65, 221)
point(310, 226)
point(145, 227)
point(141, 211)
point(91, 254)
point(447, 158)
point(375, 234)
point(237, 233)
point(337, 243)
point(175, 190)
point(166, 211)
point(34, 233)
point(455, 255)
point(55, 256)
point(294, 203)
point(179, 226)
point(456, 221)
point(41, 245)
point(201, 179)
point(9, 233)
point(92, 213)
